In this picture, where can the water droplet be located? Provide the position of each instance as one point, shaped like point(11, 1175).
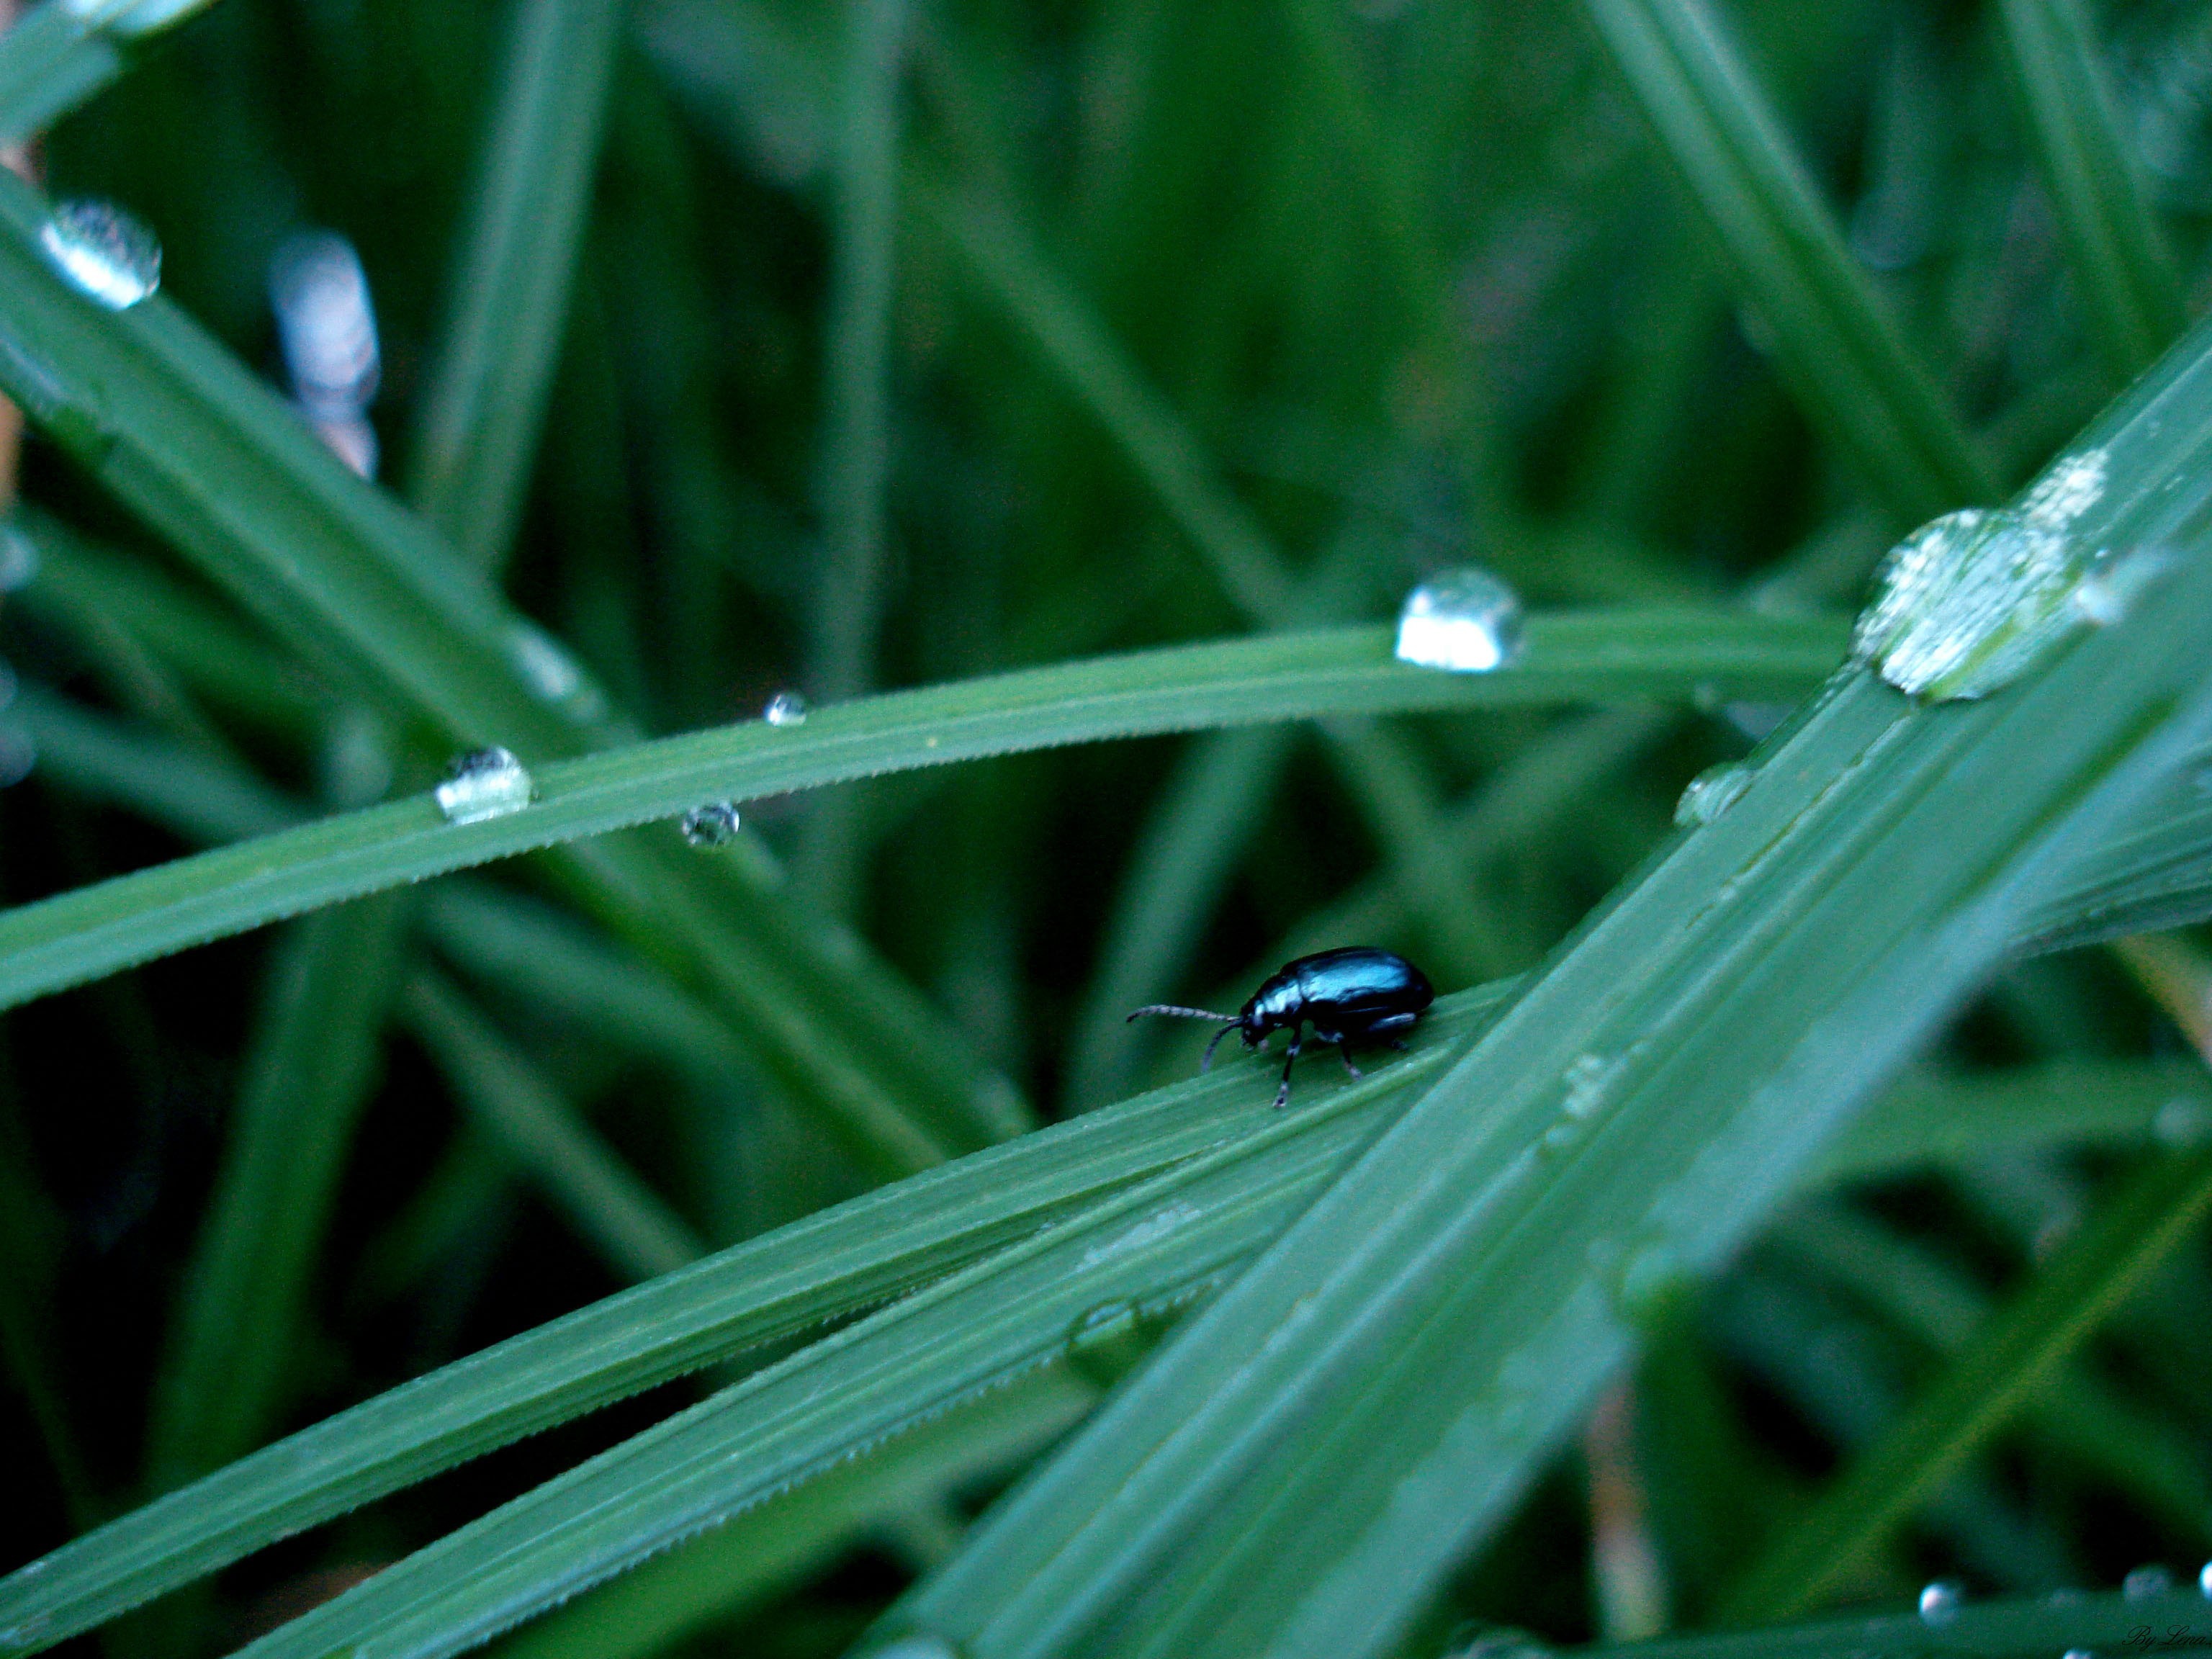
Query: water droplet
point(715, 824)
point(104, 251)
point(2078, 1653)
point(915, 1647)
point(2112, 585)
point(2204, 1580)
point(1712, 792)
point(1587, 1077)
point(325, 324)
point(485, 783)
point(786, 708)
point(18, 558)
point(1467, 621)
point(1941, 1600)
point(2147, 1583)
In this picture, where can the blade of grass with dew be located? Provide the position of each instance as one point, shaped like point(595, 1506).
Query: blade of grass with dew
point(856, 451)
point(862, 1252)
point(2123, 274)
point(2156, 1210)
point(1163, 1242)
point(519, 941)
point(185, 435)
point(478, 420)
point(2027, 1627)
point(1852, 370)
point(1296, 1468)
point(795, 1533)
point(220, 1386)
point(521, 1111)
point(81, 935)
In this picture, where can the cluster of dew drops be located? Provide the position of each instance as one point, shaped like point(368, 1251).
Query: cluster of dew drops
point(1942, 1600)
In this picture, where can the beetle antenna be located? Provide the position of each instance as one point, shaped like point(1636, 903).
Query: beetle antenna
point(1183, 1012)
point(1207, 1059)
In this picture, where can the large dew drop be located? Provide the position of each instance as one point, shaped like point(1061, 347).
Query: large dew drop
point(485, 783)
point(786, 708)
point(1969, 602)
point(715, 824)
point(104, 251)
point(2147, 1583)
point(1467, 621)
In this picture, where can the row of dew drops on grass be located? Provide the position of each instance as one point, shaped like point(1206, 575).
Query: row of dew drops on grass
point(1963, 606)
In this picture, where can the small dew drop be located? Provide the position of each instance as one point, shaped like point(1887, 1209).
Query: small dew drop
point(18, 558)
point(1467, 621)
point(715, 824)
point(108, 254)
point(1941, 1600)
point(1587, 1078)
point(2204, 1580)
point(917, 1647)
point(485, 783)
point(1712, 792)
point(786, 708)
point(2147, 1583)
point(2077, 1653)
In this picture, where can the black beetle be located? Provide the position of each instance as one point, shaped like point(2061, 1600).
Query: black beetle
point(1354, 992)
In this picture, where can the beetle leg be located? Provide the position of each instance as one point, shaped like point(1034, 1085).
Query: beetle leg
point(1297, 1042)
point(1344, 1047)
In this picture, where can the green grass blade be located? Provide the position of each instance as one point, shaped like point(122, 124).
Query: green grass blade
point(1163, 1241)
point(799, 1532)
point(52, 59)
point(856, 441)
point(2075, 1411)
point(478, 419)
point(1295, 1470)
point(1834, 339)
point(520, 1112)
point(95, 930)
point(221, 1386)
point(2026, 1628)
point(2123, 272)
point(1978, 1392)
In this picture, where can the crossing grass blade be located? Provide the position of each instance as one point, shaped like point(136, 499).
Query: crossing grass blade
point(2016, 1353)
point(238, 1323)
point(82, 934)
point(1294, 1471)
point(519, 1111)
point(2123, 274)
point(1839, 348)
point(479, 418)
point(53, 59)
